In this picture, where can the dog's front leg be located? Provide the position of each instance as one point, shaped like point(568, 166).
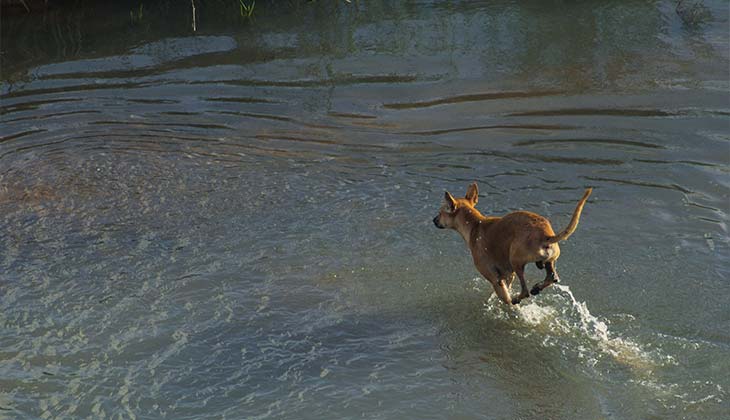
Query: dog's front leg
point(501, 287)
point(510, 280)
point(524, 293)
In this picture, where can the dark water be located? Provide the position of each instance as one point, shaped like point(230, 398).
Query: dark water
point(236, 222)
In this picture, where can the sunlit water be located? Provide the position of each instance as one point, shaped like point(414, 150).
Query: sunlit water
point(236, 223)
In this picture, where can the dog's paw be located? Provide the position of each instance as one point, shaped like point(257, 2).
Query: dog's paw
point(515, 301)
point(535, 291)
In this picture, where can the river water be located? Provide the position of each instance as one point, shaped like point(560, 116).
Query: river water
point(236, 222)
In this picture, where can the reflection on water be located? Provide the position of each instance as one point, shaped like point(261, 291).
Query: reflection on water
point(236, 222)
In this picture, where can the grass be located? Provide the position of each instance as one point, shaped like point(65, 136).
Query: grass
point(246, 10)
point(135, 16)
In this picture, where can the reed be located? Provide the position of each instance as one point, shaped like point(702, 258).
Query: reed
point(246, 10)
point(135, 16)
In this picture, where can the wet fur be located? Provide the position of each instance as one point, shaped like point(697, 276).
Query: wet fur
point(501, 247)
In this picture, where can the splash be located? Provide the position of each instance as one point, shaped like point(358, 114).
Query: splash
point(562, 321)
point(623, 350)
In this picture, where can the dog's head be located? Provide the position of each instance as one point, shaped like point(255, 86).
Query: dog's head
point(450, 209)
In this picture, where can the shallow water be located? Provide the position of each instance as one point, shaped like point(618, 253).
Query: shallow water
point(236, 223)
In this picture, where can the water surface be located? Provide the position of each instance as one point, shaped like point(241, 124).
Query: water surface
point(236, 222)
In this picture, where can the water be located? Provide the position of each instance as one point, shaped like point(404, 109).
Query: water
point(236, 223)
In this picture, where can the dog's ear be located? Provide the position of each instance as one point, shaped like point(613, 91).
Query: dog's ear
point(472, 193)
point(450, 201)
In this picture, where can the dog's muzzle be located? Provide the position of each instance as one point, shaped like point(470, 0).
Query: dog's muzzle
point(436, 222)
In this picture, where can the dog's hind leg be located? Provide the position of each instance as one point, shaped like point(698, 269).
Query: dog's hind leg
point(552, 274)
point(550, 277)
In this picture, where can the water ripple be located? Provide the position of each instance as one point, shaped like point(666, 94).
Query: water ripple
point(475, 97)
point(579, 112)
point(609, 142)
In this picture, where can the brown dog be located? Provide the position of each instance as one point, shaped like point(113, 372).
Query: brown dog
point(502, 246)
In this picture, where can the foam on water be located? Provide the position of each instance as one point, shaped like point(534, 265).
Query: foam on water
point(564, 322)
point(623, 350)
point(558, 320)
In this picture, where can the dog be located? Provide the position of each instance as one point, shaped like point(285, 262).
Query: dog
point(502, 246)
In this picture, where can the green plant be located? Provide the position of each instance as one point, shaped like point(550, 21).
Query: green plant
point(246, 10)
point(136, 16)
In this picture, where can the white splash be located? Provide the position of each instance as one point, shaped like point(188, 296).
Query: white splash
point(535, 314)
point(623, 350)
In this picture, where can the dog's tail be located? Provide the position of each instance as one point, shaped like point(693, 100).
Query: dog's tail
point(565, 233)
